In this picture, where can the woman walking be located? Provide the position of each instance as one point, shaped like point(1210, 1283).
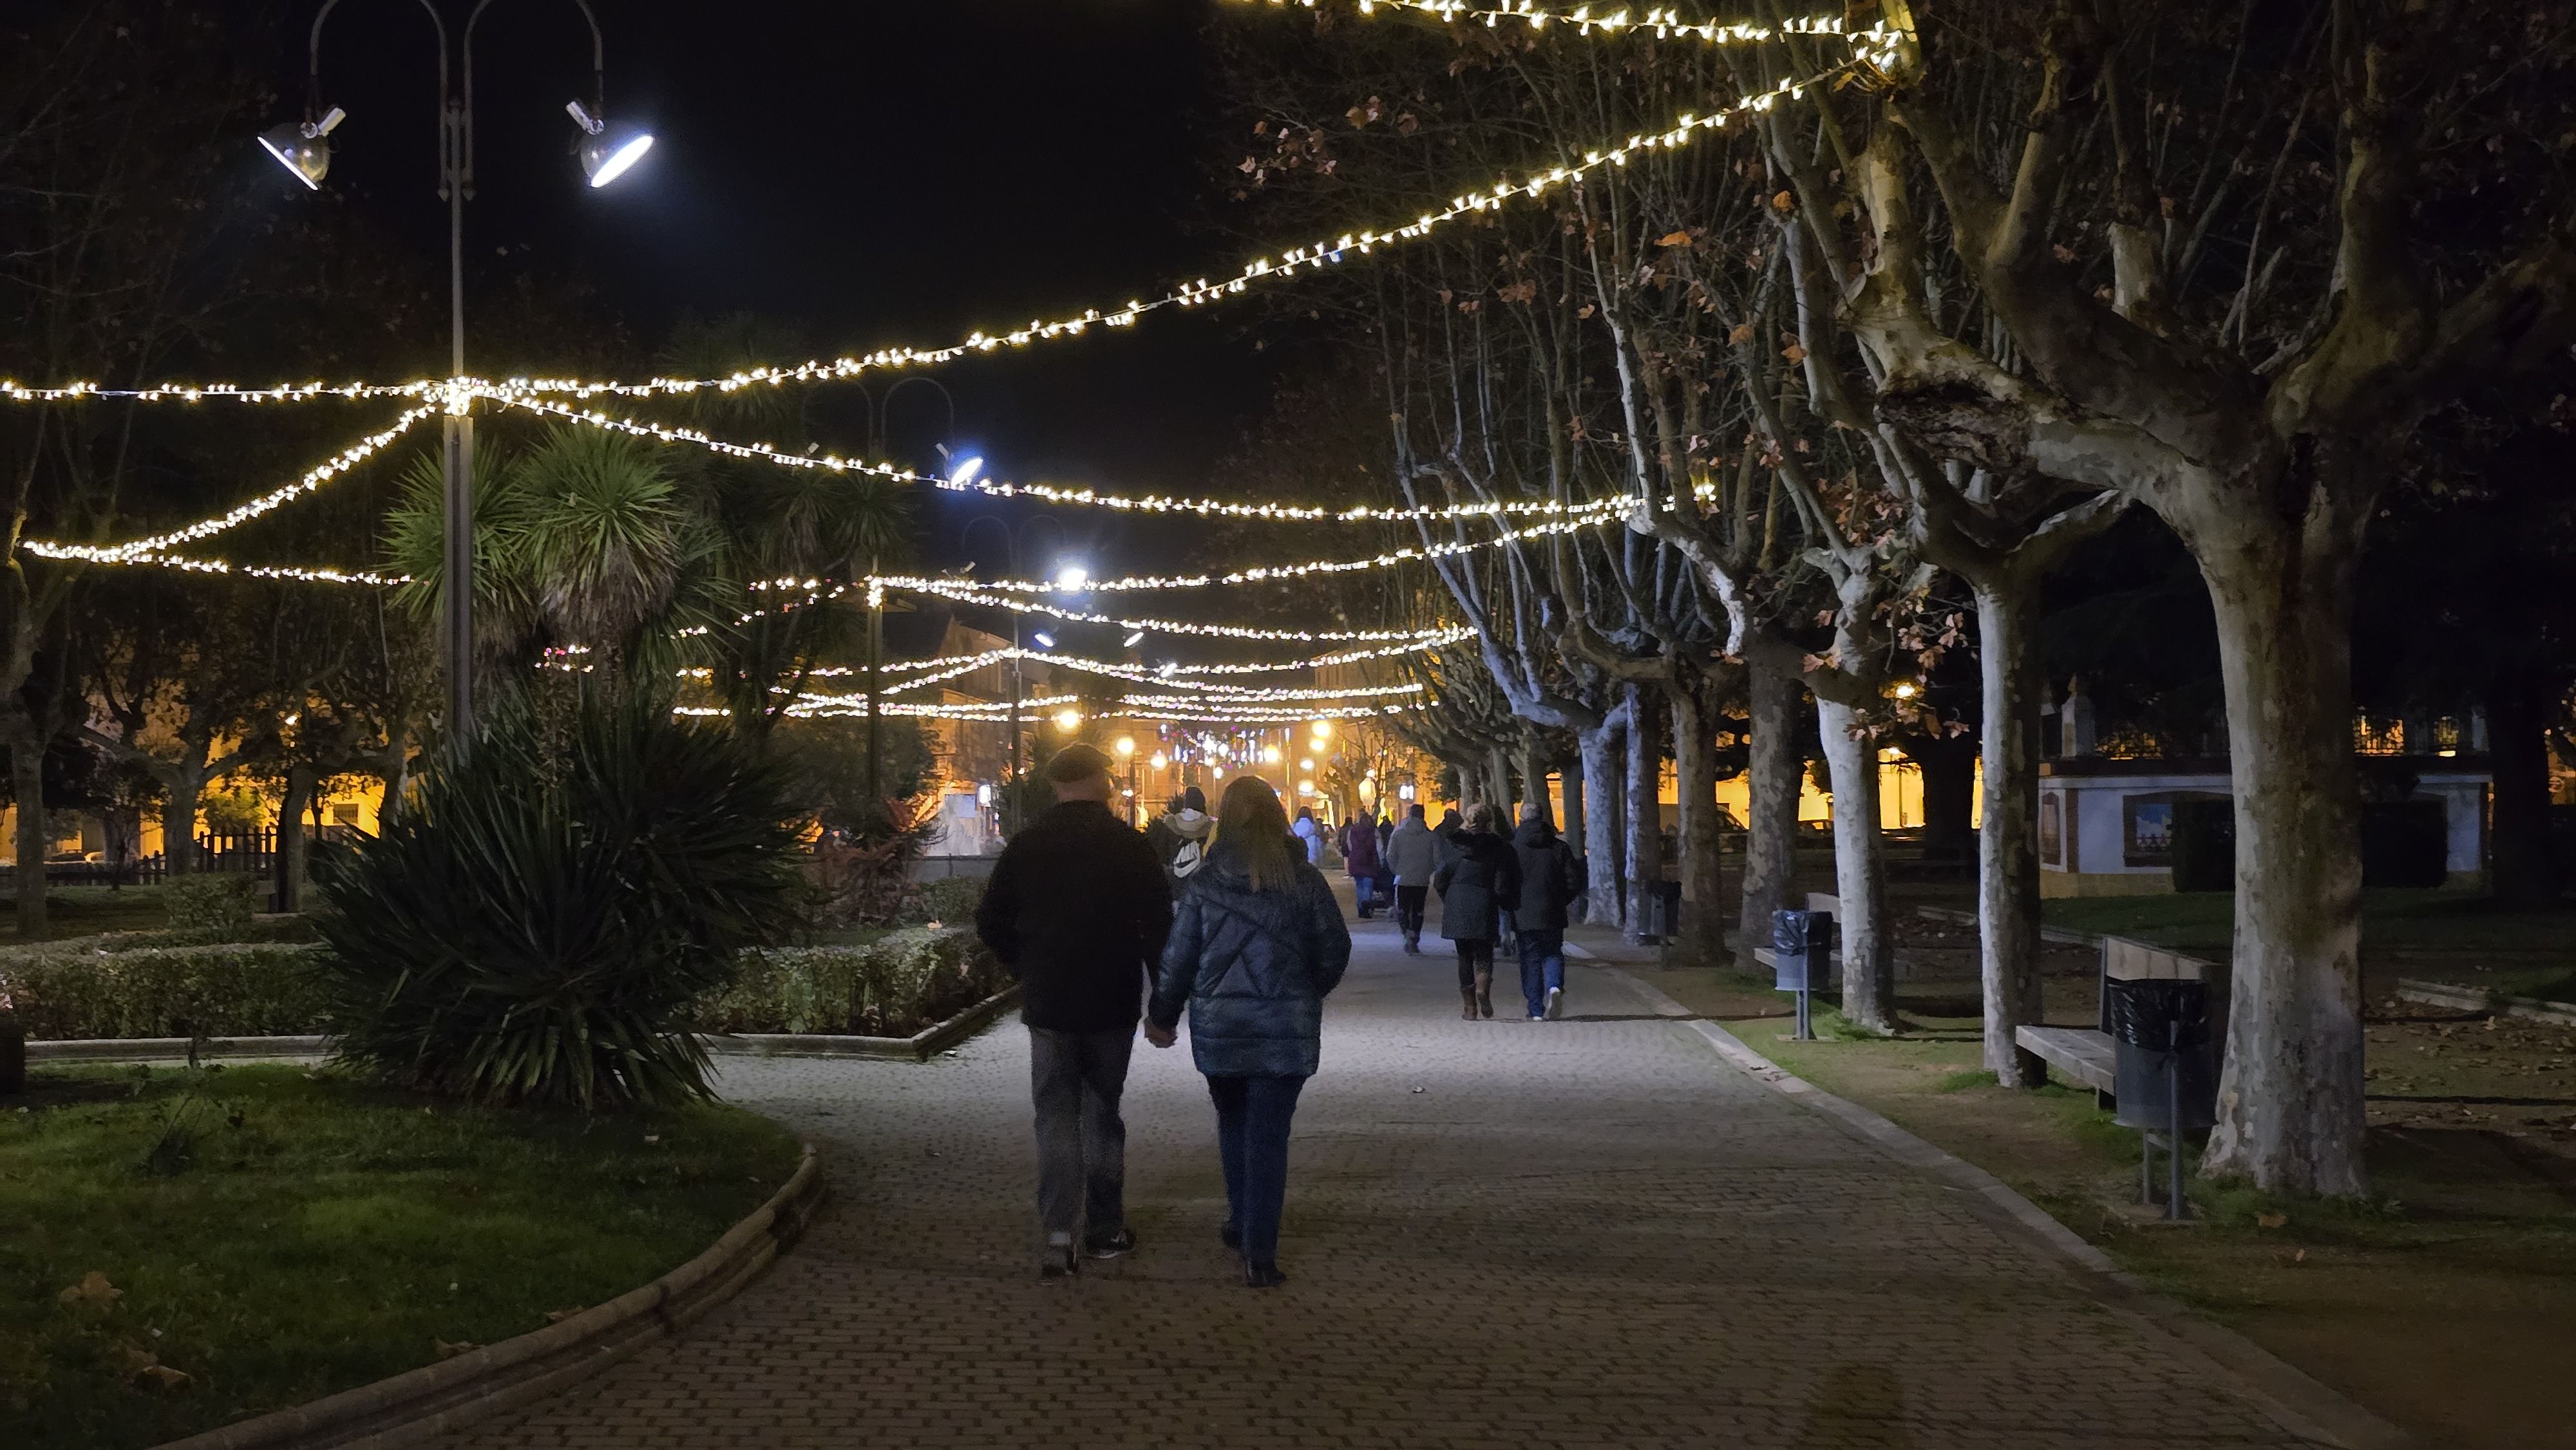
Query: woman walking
point(1480, 877)
point(1257, 941)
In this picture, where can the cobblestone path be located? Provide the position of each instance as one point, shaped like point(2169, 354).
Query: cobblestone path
point(1592, 1232)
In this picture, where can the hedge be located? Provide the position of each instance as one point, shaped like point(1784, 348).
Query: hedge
point(137, 985)
point(89, 989)
point(892, 987)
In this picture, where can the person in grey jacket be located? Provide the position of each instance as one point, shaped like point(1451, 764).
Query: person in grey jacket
point(1414, 853)
point(1550, 880)
point(1478, 881)
point(1257, 941)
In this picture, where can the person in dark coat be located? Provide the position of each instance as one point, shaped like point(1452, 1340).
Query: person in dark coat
point(1078, 909)
point(1551, 878)
point(1359, 857)
point(1256, 945)
point(1477, 883)
point(1414, 853)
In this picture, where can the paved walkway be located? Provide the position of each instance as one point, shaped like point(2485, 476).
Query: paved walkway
point(1592, 1232)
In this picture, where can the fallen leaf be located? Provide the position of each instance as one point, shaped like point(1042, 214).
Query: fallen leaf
point(2270, 1220)
point(2300, 1257)
point(170, 1378)
point(2062, 252)
point(1782, 202)
point(1674, 239)
point(1742, 333)
point(1795, 354)
point(558, 1316)
point(450, 1351)
point(92, 1289)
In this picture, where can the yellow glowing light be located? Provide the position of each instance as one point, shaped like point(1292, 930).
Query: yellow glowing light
point(1270, 755)
point(1160, 761)
point(1305, 787)
point(1126, 745)
point(1323, 729)
point(1905, 691)
point(1068, 719)
point(1306, 766)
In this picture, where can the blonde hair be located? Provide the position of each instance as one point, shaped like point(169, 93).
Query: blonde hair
point(1250, 819)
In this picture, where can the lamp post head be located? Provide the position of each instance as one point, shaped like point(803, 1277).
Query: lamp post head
point(303, 147)
point(607, 152)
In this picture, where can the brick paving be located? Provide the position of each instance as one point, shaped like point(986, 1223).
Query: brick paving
point(1592, 1232)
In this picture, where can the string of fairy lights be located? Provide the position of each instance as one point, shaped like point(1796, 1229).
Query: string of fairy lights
point(1172, 691)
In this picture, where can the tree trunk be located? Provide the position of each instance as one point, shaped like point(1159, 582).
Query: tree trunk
point(2008, 837)
point(27, 784)
point(1860, 872)
point(1498, 785)
point(1533, 774)
point(181, 791)
point(293, 844)
point(1574, 825)
point(1645, 815)
point(2290, 1114)
point(2522, 871)
point(1702, 938)
point(1772, 771)
point(1949, 769)
point(1602, 774)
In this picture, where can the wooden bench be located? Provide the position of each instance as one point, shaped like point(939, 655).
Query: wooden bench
point(2087, 1054)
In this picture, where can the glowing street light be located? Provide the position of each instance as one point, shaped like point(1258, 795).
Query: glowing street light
point(1323, 729)
point(1126, 745)
point(301, 147)
point(1072, 579)
point(1068, 719)
point(1160, 761)
point(1270, 755)
point(1044, 639)
point(607, 152)
point(966, 471)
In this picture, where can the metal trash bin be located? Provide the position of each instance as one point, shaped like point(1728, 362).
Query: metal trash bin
point(2165, 1073)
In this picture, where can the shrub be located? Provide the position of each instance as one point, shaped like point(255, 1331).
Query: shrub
point(534, 927)
point(80, 989)
point(212, 901)
point(892, 987)
point(2405, 843)
point(950, 900)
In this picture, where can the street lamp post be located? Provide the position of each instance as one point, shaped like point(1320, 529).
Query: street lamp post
point(606, 154)
point(1012, 538)
point(878, 410)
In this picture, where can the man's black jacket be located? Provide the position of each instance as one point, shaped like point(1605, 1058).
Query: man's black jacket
point(1078, 910)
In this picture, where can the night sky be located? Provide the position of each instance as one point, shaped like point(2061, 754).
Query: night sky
point(867, 172)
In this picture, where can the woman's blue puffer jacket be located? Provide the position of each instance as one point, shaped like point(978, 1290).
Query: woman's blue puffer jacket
point(1253, 966)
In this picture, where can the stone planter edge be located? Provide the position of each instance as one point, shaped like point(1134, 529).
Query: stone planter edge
point(920, 1047)
point(437, 1399)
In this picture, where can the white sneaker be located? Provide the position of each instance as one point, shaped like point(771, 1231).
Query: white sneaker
point(1555, 1003)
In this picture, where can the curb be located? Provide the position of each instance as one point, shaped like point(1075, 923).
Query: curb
point(919, 1047)
point(436, 1399)
point(2479, 999)
point(2289, 1396)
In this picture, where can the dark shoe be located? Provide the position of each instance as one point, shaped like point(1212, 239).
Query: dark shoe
point(1232, 1237)
point(1484, 994)
point(1467, 1003)
point(1262, 1276)
point(1121, 1242)
point(1059, 1262)
point(1555, 1003)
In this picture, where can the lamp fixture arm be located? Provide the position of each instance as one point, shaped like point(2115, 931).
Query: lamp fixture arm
point(448, 161)
point(598, 74)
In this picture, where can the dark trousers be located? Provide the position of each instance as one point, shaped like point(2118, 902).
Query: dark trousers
point(1542, 966)
point(1252, 1115)
point(1409, 901)
point(1474, 957)
point(1075, 1079)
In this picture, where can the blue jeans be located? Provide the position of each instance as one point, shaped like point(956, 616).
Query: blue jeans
point(1252, 1116)
point(1542, 966)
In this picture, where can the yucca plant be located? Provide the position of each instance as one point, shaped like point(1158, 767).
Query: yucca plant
point(534, 928)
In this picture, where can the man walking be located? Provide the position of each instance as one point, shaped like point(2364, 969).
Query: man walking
point(1551, 878)
point(1414, 852)
point(1078, 909)
point(1179, 837)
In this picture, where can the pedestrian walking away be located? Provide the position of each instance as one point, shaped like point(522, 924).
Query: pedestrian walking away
point(1309, 835)
point(1414, 853)
point(1179, 836)
point(1551, 880)
point(1359, 857)
point(1257, 942)
point(1480, 878)
point(1078, 909)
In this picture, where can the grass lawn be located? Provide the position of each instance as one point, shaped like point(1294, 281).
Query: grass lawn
point(2403, 924)
point(88, 910)
point(2445, 1304)
point(185, 1248)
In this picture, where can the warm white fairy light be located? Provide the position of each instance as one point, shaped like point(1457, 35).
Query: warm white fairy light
point(1171, 683)
point(11, 392)
point(313, 574)
point(1664, 23)
point(1876, 48)
point(966, 591)
point(140, 550)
